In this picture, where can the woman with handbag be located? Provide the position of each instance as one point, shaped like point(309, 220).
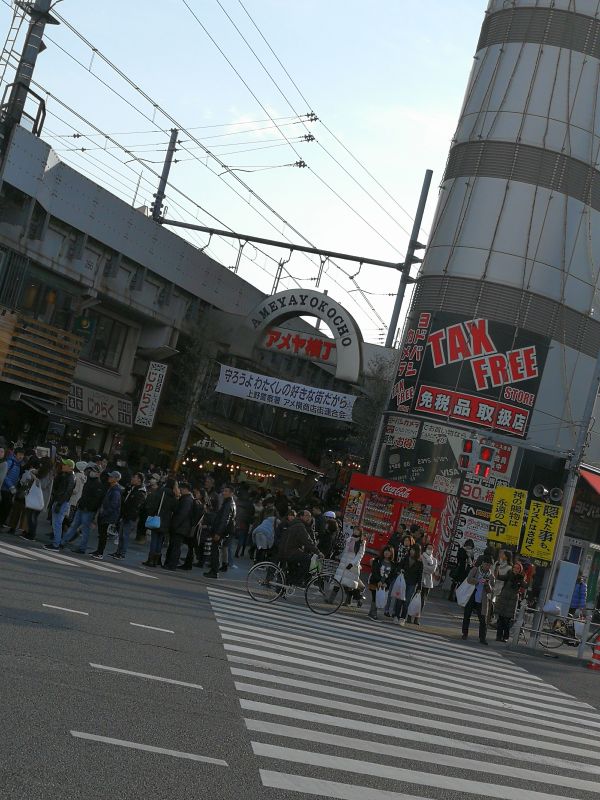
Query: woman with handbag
point(383, 574)
point(412, 567)
point(160, 507)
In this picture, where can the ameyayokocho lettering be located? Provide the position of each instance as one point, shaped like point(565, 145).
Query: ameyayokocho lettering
point(299, 300)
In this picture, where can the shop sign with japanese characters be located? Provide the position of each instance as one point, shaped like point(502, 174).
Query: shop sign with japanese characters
point(475, 371)
point(285, 394)
point(508, 511)
point(153, 386)
point(427, 454)
point(541, 531)
point(99, 405)
point(301, 345)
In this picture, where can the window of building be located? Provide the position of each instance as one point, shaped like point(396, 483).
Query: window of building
point(104, 342)
point(46, 301)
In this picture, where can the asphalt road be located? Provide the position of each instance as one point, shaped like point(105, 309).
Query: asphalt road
point(162, 688)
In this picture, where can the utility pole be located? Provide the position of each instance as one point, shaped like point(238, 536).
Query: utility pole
point(162, 185)
point(12, 111)
point(410, 259)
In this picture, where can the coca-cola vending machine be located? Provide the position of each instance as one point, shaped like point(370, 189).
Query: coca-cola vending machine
point(379, 505)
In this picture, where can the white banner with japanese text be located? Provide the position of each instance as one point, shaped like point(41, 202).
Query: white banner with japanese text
point(285, 394)
point(153, 386)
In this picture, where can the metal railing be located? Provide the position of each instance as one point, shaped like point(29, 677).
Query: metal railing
point(527, 622)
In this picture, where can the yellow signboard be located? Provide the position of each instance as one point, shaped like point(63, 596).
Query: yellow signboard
point(508, 510)
point(541, 532)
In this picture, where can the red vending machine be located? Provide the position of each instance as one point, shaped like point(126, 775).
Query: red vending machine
point(379, 505)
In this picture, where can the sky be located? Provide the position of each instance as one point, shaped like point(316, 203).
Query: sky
point(386, 77)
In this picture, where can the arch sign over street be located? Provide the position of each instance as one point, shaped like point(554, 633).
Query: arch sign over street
point(293, 303)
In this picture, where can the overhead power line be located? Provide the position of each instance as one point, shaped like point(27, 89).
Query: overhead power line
point(309, 105)
point(175, 123)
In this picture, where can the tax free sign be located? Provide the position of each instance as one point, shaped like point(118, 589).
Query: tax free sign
point(473, 371)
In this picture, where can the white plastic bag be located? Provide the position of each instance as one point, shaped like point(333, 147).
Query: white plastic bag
point(34, 499)
point(464, 592)
point(552, 607)
point(414, 607)
point(399, 588)
point(380, 598)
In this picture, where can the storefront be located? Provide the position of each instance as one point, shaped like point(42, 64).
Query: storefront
point(379, 506)
point(582, 537)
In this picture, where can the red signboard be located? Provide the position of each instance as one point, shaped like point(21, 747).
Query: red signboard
point(471, 409)
point(303, 345)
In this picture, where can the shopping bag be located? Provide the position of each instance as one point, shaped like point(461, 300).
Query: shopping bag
point(380, 598)
point(34, 499)
point(414, 607)
point(399, 588)
point(464, 592)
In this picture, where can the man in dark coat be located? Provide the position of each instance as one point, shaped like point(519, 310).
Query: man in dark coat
point(109, 513)
point(223, 526)
point(62, 491)
point(464, 562)
point(90, 501)
point(297, 546)
point(181, 525)
point(133, 502)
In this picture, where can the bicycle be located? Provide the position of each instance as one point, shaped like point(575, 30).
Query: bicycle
point(268, 582)
point(555, 632)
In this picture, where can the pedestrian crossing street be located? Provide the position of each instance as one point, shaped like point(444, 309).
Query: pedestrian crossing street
point(33, 553)
point(351, 709)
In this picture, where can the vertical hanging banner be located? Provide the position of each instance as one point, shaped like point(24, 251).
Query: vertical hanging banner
point(541, 532)
point(153, 386)
point(508, 512)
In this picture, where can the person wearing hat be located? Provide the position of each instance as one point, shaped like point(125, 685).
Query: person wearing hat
point(62, 491)
point(110, 511)
point(91, 498)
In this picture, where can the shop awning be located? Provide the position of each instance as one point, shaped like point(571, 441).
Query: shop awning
point(297, 459)
point(592, 478)
point(248, 452)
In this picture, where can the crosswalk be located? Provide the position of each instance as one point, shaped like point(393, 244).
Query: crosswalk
point(345, 708)
point(33, 553)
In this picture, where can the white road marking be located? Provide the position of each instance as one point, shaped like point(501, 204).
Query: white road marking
point(346, 723)
point(145, 675)
point(148, 748)
point(482, 732)
point(59, 558)
point(151, 627)
point(428, 685)
point(350, 765)
point(81, 562)
point(137, 573)
point(69, 610)
point(415, 756)
point(15, 555)
point(332, 634)
point(385, 654)
point(322, 788)
point(379, 685)
point(421, 707)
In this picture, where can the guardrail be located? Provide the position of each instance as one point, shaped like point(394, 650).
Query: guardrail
point(537, 630)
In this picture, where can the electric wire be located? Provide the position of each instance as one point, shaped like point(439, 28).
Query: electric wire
point(251, 192)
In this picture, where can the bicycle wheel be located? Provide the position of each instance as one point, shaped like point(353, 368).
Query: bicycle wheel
point(324, 594)
point(265, 582)
point(551, 633)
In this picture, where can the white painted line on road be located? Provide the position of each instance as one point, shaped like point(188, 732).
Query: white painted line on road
point(149, 748)
point(592, 750)
point(59, 558)
point(543, 727)
point(412, 737)
point(422, 779)
point(322, 788)
point(150, 627)
point(145, 675)
point(380, 688)
point(424, 756)
point(15, 555)
point(137, 573)
point(69, 610)
point(38, 554)
point(81, 562)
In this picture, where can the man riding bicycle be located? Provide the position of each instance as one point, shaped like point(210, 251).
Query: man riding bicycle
point(297, 547)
